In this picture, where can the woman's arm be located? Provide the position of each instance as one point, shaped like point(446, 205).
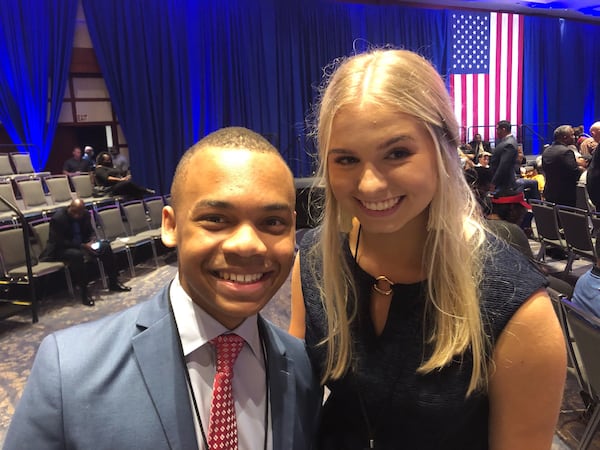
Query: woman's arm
point(297, 324)
point(527, 378)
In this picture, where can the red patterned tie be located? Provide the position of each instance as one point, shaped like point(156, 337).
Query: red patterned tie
point(222, 426)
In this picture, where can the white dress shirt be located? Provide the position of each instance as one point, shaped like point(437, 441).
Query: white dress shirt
point(196, 329)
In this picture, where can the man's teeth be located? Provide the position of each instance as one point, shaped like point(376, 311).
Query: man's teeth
point(241, 278)
point(381, 206)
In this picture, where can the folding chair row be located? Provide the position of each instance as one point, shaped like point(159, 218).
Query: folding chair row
point(583, 199)
point(567, 228)
point(33, 201)
point(84, 189)
point(583, 340)
point(17, 163)
point(15, 267)
point(111, 227)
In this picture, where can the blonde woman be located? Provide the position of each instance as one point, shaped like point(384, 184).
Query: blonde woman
point(429, 332)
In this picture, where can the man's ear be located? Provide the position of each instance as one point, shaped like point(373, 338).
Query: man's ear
point(169, 228)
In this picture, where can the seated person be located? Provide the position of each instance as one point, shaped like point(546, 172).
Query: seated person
point(88, 154)
point(71, 238)
point(509, 209)
point(480, 180)
point(119, 161)
point(76, 164)
point(532, 173)
point(483, 159)
point(586, 294)
point(115, 181)
point(465, 153)
point(479, 145)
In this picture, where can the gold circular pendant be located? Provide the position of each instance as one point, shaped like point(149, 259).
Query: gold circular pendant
point(383, 285)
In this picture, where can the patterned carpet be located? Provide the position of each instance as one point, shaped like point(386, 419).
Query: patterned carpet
point(19, 339)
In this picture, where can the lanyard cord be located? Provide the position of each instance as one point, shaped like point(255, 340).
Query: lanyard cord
point(191, 388)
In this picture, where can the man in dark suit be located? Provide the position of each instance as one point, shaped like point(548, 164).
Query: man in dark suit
point(561, 169)
point(504, 156)
point(130, 380)
point(478, 145)
point(71, 238)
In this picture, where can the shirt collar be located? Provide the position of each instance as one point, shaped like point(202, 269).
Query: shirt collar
point(196, 327)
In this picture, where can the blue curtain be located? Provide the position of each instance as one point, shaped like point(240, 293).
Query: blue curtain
point(137, 46)
point(179, 69)
point(36, 42)
point(560, 79)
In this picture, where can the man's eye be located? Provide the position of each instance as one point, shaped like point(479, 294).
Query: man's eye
point(212, 219)
point(275, 221)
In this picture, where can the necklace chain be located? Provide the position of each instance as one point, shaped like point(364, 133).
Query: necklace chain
point(382, 278)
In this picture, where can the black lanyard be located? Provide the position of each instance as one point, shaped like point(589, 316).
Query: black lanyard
point(193, 394)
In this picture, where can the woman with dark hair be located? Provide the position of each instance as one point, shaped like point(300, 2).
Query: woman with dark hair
point(114, 181)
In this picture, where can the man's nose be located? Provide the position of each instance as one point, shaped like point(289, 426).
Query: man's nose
point(245, 240)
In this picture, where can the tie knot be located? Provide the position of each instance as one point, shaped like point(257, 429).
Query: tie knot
point(228, 348)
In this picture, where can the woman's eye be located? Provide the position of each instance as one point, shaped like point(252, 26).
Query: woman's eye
point(399, 153)
point(346, 160)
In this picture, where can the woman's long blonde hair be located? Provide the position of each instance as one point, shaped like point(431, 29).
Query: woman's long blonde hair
point(408, 83)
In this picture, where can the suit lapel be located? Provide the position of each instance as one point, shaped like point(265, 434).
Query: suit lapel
point(282, 387)
point(157, 351)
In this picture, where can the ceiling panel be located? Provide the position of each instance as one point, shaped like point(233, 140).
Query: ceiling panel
point(585, 10)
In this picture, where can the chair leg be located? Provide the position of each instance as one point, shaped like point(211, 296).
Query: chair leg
point(102, 273)
point(590, 429)
point(541, 256)
point(33, 298)
point(130, 261)
point(69, 281)
point(569, 265)
point(154, 253)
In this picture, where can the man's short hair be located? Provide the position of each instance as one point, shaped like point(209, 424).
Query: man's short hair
point(224, 138)
point(563, 130)
point(504, 124)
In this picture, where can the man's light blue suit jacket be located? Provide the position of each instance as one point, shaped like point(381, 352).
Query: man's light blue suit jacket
point(119, 383)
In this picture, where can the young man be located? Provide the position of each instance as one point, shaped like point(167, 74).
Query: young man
point(145, 377)
point(502, 161)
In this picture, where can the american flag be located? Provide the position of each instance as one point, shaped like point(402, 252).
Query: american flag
point(486, 70)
